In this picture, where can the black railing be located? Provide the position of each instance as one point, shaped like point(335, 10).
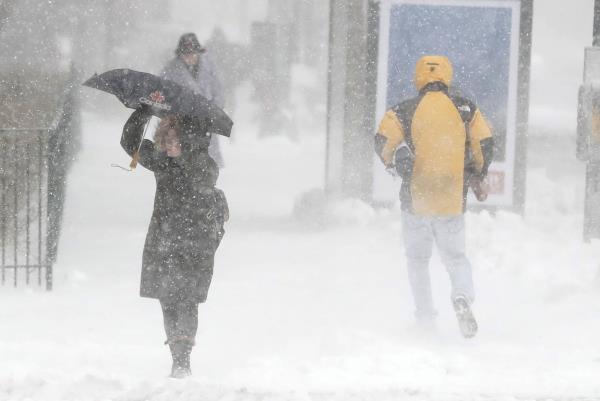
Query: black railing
point(24, 207)
point(34, 164)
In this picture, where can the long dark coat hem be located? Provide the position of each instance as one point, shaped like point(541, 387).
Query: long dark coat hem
point(187, 221)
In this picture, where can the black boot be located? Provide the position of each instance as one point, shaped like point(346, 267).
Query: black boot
point(181, 349)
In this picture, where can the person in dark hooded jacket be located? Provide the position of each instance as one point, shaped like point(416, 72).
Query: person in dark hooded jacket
point(186, 225)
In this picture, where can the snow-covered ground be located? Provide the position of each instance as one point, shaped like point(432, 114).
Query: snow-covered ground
point(298, 312)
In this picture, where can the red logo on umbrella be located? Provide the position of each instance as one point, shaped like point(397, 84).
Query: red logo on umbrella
point(157, 97)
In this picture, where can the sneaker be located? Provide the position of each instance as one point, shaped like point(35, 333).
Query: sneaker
point(464, 315)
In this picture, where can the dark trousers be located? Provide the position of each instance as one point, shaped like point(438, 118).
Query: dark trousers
point(180, 320)
point(181, 324)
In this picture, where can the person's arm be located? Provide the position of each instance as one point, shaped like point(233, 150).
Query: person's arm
point(130, 141)
point(388, 137)
point(482, 143)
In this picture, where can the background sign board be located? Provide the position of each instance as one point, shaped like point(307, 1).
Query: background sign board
point(482, 39)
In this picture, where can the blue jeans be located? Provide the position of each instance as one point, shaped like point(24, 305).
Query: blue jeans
point(419, 233)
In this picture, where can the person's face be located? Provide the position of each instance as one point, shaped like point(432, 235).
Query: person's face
point(190, 58)
point(172, 144)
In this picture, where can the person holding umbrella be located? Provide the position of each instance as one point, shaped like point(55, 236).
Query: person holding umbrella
point(192, 68)
point(186, 225)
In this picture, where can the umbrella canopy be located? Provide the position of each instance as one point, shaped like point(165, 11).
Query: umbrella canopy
point(135, 89)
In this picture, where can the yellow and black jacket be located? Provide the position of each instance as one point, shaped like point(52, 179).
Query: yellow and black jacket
point(447, 136)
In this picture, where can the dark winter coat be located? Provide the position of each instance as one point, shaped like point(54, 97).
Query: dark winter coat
point(187, 222)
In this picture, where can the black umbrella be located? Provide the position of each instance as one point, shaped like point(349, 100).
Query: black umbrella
point(163, 97)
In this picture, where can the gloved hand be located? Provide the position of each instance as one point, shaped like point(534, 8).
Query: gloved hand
point(144, 110)
point(479, 186)
point(403, 161)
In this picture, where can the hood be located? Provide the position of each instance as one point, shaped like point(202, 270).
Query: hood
point(433, 69)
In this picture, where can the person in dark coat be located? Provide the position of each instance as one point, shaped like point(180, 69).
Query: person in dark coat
point(186, 225)
point(193, 68)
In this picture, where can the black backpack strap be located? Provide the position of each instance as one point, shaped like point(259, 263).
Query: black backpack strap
point(405, 112)
point(466, 109)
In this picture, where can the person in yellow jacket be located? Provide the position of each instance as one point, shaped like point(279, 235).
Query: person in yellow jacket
point(439, 143)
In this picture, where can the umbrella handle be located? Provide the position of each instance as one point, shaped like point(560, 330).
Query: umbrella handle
point(136, 154)
point(134, 160)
